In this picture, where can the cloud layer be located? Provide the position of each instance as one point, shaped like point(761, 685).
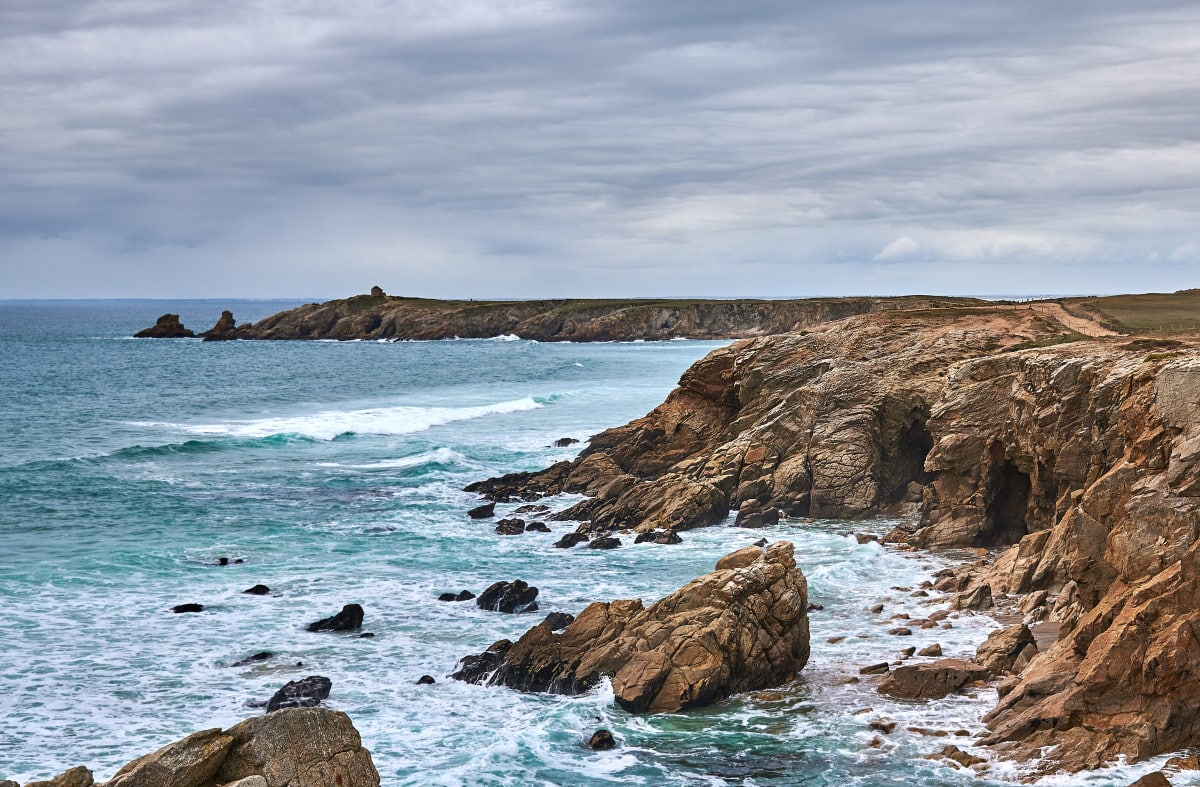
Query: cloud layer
point(544, 147)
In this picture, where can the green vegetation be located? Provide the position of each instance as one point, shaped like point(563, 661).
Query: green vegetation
point(1062, 338)
point(1146, 313)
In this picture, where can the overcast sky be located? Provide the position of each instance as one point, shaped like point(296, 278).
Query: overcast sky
point(463, 148)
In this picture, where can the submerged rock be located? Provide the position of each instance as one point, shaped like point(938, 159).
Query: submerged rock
point(258, 590)
point(182, 608)
point(303, 693)
point(602, 740)
point(256, 658)
point(349, 619)
point(569, 540)
point(167, 326)
point(511, 597)
point(736, 629)
point(604, 542)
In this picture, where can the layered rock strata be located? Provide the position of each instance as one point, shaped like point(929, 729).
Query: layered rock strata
point(739, 628)
point(302, 747)
point(995, 427)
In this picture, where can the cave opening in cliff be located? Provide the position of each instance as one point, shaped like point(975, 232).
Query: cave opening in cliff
point(1008, 491)
point(912, 447)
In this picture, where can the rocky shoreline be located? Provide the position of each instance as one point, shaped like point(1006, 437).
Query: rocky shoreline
point(1075, 459)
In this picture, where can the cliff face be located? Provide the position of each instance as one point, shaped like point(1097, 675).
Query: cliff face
point(380, 316)
point(1081, 458)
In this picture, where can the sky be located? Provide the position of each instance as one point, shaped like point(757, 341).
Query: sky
point(543, 148)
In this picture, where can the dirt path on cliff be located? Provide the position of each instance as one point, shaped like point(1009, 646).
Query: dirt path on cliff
point(1075, 322)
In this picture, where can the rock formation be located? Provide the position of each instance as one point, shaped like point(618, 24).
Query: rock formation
point(740, 628)
point(166, 327)
point(1001, 427)
point(349, 619)
point(224, 330)
point(302, 747)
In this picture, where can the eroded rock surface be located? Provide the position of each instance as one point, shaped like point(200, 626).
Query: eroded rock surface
point(740, 628)
point(303, 747)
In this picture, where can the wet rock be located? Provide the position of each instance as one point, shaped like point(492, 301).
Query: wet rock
point(931, 681)
point(557, 621)
point(222, 561)
point(668, 537)
point(649, 535)
point(564, 442)
point(366, 635)
point(464, 595)
point(569, 540)
point(875, 610)
point(167, 326)
point(426, 680)
point(961, 757)
point(886, 727)
point(604, 542)
point(907, 652)
point(181, 608)
point(532, 508)
point(448, 597)
point(1007, 650)
point(537, 527)
point(257, 590)
point(510, 597)
point(815, 607)
point(1187, 763)
point(900, 631)
point(737, 629)
point(752, 515)
point(1152, 779)
point(978, 597)
point(485, 511)
point(349, 619)
point(866, 538)
point(762, 542)
point(510, 527)
point(256, 658)
point(933, 650)
point(303, 693)
point(882, 668)
point(602, 740)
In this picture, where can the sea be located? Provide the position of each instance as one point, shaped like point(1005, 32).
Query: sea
point(333, 473)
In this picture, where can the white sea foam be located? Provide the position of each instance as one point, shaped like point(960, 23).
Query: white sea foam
point(441, 456)
point(328, 424)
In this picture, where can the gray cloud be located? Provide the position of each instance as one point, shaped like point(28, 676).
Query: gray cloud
point(544, 147)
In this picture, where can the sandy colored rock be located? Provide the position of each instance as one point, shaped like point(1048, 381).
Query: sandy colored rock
point(1152, 779)
point(736, 629)
point(931, 681)
point(299, 747)
point(190, 762)
point(1007, 650)
point(75, 777)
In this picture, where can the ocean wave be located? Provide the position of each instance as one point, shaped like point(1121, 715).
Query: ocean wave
point(439, 456)
point(330, 424)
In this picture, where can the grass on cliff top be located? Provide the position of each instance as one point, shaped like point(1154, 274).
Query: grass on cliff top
point(1146, 313)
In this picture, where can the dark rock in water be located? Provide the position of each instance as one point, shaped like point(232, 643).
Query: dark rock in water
point(649, 535)
point(558, 621)
point(258, 590)
point(533, 508)
point(448, 597)
point(668, 537)
point(223, 331)
point(426, 680)
point(510, 527)
point(465, 595)
point(881, 668)
point(238, 562)
point(366, 635)
point(303, 693)
point(1152, 779)
point(762, 542)
point(515, 596)
point(563, 442)
point(537, 527)
point(257, 658)
point(475, 667)
point(349, 619)
point(815, 607)
point(187, 608)
point(604, 542)
point(569, 540)
point(166, 327)
point(602, 740)
point(222, 561)
point(932, 681)
point(485, 511)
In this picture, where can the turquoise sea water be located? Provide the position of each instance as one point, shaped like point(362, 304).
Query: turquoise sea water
point(334, 471)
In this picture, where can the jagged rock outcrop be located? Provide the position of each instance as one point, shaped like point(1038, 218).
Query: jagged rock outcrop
point(740, 628)
point(1079, 456)
point(224, 330)
point(167, 326)
point(826, 423)
point(302, 747)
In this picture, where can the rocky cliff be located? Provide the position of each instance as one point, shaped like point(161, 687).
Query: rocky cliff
point(1002, 427)
point(380, 316)
point(739, 628)
point(301, 747)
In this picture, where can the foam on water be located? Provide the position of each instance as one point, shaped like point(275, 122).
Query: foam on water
point(330, 424)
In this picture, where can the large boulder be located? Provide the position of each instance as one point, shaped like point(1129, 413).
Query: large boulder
point(300, 747)
point(515, 596)
point(1007, 650)
point(349, 619)
point(166, 327)
point(303, 693)
point(735, 629)
point(224, 329)
point(933, 680)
